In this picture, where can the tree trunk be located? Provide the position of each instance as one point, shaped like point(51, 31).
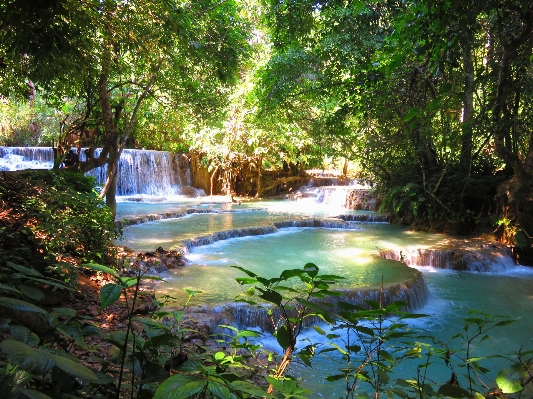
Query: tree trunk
point(468, 106)
point(259, 192)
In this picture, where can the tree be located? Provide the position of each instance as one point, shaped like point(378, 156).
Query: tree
point(430, 97)
point(125, 52)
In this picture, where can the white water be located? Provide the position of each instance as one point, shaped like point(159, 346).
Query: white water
point(140, 172)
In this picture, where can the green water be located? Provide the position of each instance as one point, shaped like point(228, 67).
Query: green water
point(352, 254)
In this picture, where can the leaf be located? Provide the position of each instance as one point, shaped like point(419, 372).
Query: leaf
point(32, 293)
point(33, 360)
point(251, 389)
point(246, 280)
point(74, 368)
point(249, 273)
point(109, 294)
point(311, 269)
point(219, 390)
point(287, 274)
point(271, 296)
point(411, 114)
point(453, 391)
point(509, 380)
point(101, 268)
point(179, 387)
point(319, 330)
point(73, 331)
point(24, 270)
point(25, 335)
point(373, 304)
point(283, 337)
point(23, 306)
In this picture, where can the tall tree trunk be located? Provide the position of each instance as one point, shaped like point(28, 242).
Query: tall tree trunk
point(259, 192)
point(468, 105)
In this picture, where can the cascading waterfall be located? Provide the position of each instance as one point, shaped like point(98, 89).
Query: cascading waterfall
point(352, 196)
point(413, 291)
point(487, 258)
point(191, 243)
point(17, 158)
point(140, 172)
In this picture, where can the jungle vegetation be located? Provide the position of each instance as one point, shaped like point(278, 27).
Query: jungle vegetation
point(430, 100)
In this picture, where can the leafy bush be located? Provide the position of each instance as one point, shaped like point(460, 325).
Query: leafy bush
point(51, 220)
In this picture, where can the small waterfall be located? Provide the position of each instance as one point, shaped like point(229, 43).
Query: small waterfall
point(148, 172)
point(352, 196)
point(155, 173)
point(487, 258)
point(364, 218)
point(18, 158)
point(189, 244)
point(414, 292)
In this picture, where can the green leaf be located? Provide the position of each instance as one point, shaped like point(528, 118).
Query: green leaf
point(35, 294)
point(283, 336)
point(251, 389)
point(74, 368)
point(109, 294)
point(24, 270)
point(453, 391)
point(33, 360)
point(179, 387)
point(246, 280)
point(73, 331)
point(373, 304)
point(319, 330)
point(311, 269)
point(509, 380)
point(25, 335)
point(219, 390)
point(271, 296)
point(101, 268)
point(249, 273)
point(24, 306)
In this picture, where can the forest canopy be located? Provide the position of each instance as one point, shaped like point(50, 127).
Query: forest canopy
point(431, 100)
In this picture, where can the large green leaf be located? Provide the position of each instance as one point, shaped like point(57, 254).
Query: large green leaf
point(24, 306)
point(109, 294)
point(74, 368)
point(180, 387)
point(251, 389)
point(24, 334)
point(36, 361)
point(283, 336)
point(509, 380)
point(24, 270)
point(453, 391)
point(219, 390)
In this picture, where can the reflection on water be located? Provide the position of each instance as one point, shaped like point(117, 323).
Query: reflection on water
point(209, 267)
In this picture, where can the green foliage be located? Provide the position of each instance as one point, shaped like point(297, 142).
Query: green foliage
point(54, 218)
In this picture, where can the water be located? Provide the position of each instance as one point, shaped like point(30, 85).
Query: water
point(453, 295)
point(344, 253)
point(350, 253)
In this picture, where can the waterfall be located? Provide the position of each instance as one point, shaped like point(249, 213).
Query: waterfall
point(352, 196)
point(156, 173)
point(18, 158)
point(190, 243)
point(414, 292)
point(484, 258)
